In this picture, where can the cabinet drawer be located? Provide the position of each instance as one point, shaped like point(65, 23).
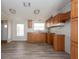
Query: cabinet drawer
point(74, 9)
point(74, 31)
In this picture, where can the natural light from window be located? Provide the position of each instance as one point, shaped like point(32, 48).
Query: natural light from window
point(39, 26)
point(20, 29)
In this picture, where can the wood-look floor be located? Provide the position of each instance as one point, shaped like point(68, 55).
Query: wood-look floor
point(23, 50)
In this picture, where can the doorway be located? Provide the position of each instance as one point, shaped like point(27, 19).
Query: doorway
point(4, 30)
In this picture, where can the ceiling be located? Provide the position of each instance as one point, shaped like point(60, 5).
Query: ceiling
point(46, 7)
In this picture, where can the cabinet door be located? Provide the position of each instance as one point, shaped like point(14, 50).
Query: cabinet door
point(52, 38)
point(55, 46)
point(61, 43)
point(74, 30)
point(65, 16)
point(74, 50)
point(74, 8)
point(48, 38)
point(29, 23)
point(58, 42)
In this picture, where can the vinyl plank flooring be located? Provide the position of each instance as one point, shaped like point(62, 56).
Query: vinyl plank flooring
point(23, 50)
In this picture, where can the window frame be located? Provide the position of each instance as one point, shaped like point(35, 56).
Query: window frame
point(19, 29)
point(39, 29)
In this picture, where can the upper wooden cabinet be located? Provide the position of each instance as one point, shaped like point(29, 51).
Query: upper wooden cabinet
point(56, 19)
point(64, 16)
point(29, 23)
point(59, 18)
point(74, 9)
point(48, 22)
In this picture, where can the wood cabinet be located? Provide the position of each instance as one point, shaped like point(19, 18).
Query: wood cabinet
point(59, 18)
point(74, 39)
point(74, 29)
point(58, 42)
point(65, 16)
point(29, 23)
point(74, 9)
point(74, 50)
point(56, 19)
point(36, 37)
point(50, 37)
point(48, 23)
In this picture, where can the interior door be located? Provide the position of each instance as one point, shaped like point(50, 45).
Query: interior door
point(4, 30)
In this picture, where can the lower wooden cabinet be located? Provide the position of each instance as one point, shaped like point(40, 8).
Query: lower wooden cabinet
point(74, 50)
point(36, 37)
point(50, 37)
point(58, 42)
point(74, 38)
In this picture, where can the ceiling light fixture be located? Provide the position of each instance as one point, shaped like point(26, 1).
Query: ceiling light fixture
point(37, 11)
point(13, 11)
point(26, 4)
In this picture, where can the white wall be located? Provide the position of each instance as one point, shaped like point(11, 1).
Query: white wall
point(59, 30)
point(9, 31)
point(16, 21)
point(64, 30)
point(14, 28)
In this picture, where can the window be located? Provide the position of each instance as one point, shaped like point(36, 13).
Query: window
point(39, 26)
point(20, 29)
